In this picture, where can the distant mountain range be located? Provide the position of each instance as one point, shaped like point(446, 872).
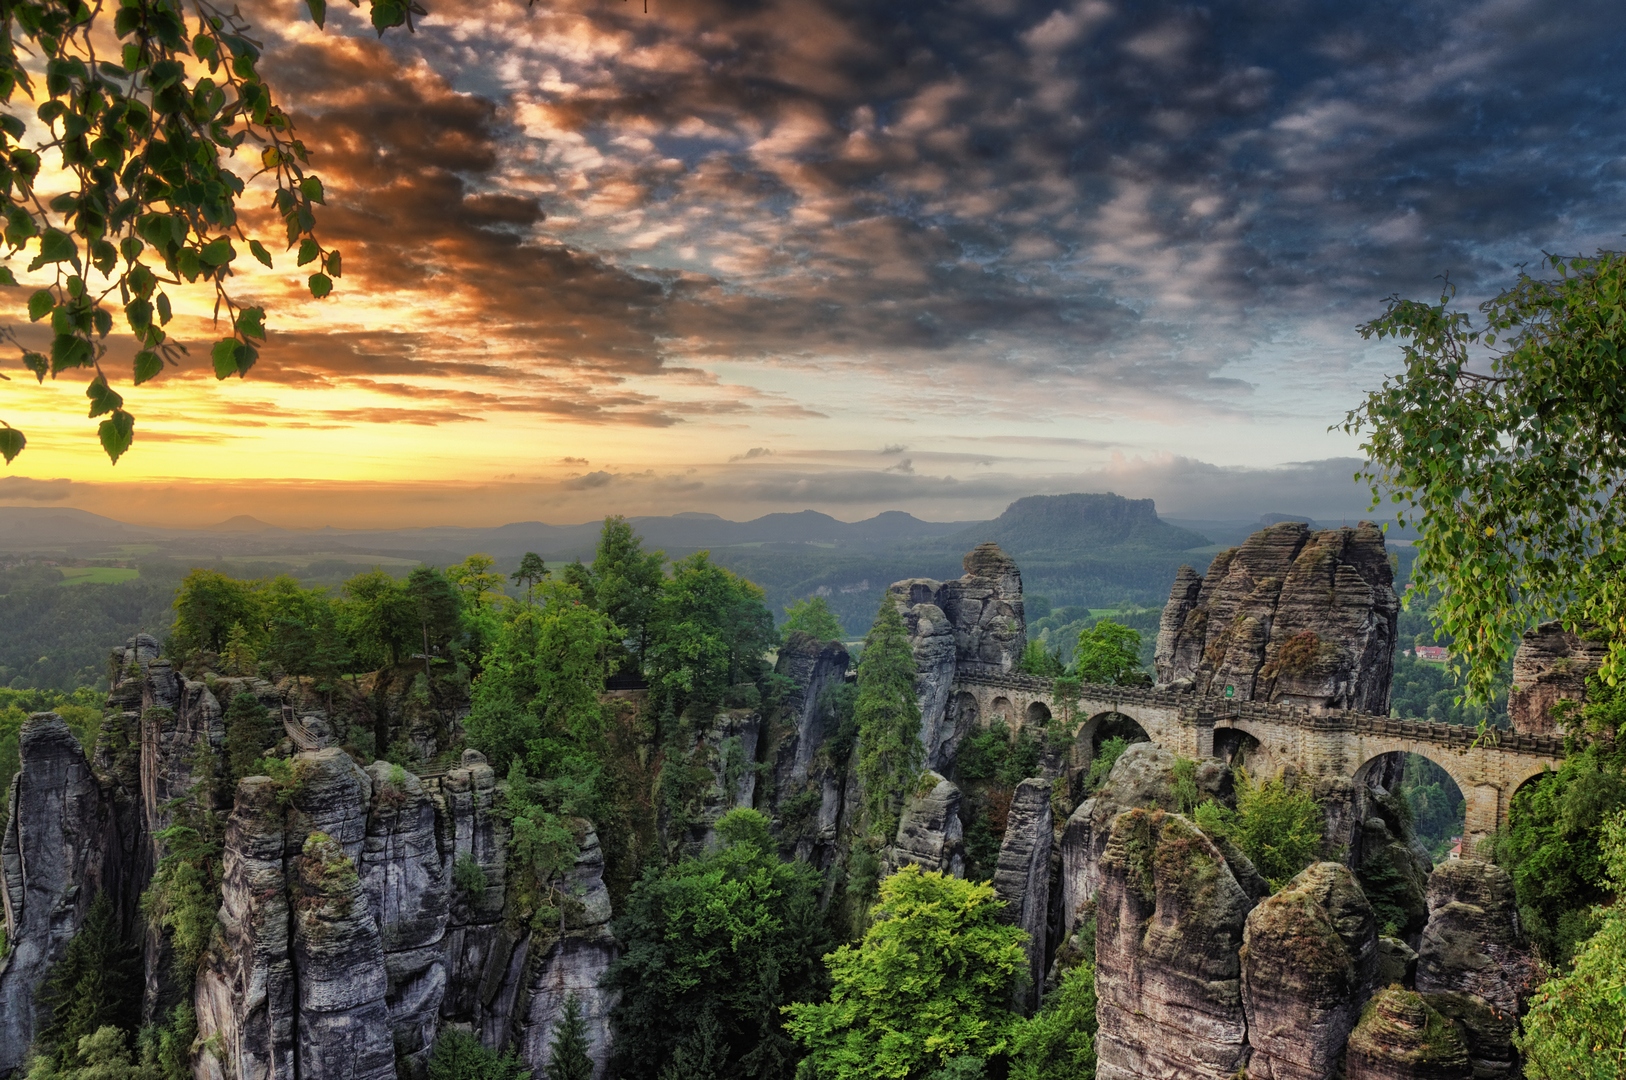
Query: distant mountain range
point(1101, 550)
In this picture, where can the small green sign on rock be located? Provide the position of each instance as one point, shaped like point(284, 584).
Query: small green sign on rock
point(1230, 691)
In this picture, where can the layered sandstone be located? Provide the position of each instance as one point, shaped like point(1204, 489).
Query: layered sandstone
point(1291, 616)
point(1550, 666)
point(1402, 1037)
point(1022, 875)
point(1472, 943)
point(929, 831)
point(1169, 927)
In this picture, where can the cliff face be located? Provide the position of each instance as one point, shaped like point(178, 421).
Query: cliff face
point(1022, 875)
point(972, 625)
point(1169, 920)
point(1291, 616)
point(1551, 665)
point(55, 855)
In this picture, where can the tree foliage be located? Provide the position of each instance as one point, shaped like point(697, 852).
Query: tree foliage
point(460, 1056)
point(812, 616)
point(1278, 826)
point(890, 753)
point(1108, 652)
point(1058, 1042)
point(1505, 444)
point(709, 629)
point(715, 946)
point(94, 985)
point(931, 981)
point(627, 581)
point(568, 1059)
point(250, 731)
point(144, 109)
point(1576, 1026)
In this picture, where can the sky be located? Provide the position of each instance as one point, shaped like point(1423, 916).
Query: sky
point(747, 257)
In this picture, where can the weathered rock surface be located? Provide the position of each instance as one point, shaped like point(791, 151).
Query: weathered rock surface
point(572, 965)
point(1400, 1037)
point(1291, 616)
point(1169, 928)
point(1472, 943)
point(1486, 1033)
point(343, 1024)
point(1022, 875)
point(929, 832)
point(479, 950)
point(972, 625)
point(1397, 964)
point(814, 668)
point(1308, 957)
point(1143, 777)
point(1551, 665)
point(405, 881)
point(246, 996)
point(54, 855)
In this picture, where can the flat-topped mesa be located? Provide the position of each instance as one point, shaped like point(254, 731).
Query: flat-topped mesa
point(972, 625)
point(1291, 616)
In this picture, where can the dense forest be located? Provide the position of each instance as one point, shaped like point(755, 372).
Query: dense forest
point(738, 959)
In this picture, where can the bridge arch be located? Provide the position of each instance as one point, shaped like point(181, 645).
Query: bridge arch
point(1038, 713)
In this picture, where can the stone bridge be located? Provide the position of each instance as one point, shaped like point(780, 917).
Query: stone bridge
point(1330, 743)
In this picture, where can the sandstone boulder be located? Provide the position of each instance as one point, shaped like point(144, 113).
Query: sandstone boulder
point(1551, 665)
point(1397, 964)
point(1308, 957)
point(929, 832)
point(1022, 875)
point(1401, 1037)
point(814, 668)
point(1486, 1034)
point(1472, 943)
point(1291, 616)
point(1169, 928)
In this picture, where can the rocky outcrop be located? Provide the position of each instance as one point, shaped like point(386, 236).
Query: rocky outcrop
point(1486, 1034)
point(1401, 1037)
point(1022, 875)
point(1308, 957)
point(571, 963)
point(929, 832)
point(1397, 964)
point(343, 1021)
point(1550, 666)
point(59, 833)
point(1291, 616)
point(479, 949)
point(1169, 927)
point(246, 997)
point(814, 668)
point(972, 625)
point(1142, 777)
point(404, 878)
point(1472, 943)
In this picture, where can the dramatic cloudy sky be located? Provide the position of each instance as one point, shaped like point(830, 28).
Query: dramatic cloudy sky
point(743, 257)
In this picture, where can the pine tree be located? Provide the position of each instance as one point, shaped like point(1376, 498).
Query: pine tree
point(888, 714)
point(92, 986)
point(250, 731)
point(569, 1060)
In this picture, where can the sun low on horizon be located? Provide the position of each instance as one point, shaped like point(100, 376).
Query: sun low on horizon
point(932, 257)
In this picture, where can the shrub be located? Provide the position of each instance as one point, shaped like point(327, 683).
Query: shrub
point(1278, 827)
point(1058, 1042)
point(468, 875)
point(460, 1056)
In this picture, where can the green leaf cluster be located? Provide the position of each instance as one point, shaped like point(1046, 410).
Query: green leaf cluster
point(145, 131)
point(714, 947)
point(1058, 1042)
point(1576, 1026)
point(811, 616)
point(95, 985)
point(931, 981)
point(1277, 825)
point(1505, 444)
point(457, 1055)
point(887, 711)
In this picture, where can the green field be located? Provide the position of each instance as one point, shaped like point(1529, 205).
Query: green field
point(98, 575)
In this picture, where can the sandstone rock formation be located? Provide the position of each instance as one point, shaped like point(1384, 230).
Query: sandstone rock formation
point(1401, 1037)
point(1142, 777)
point(1486, 1034)
point(1168, 976)
point(972, 625)
point(59, 834)
point(1397, 964)
point(571, 964)
point(929, 831)
point(1291, 616)
point(1472, 943)
point(1551, 665)
point(479, 949)
point(814, 668)
point(1022, 875)
point(1308, 957)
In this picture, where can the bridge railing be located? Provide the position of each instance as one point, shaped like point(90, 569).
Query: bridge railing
point(1216, 709)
